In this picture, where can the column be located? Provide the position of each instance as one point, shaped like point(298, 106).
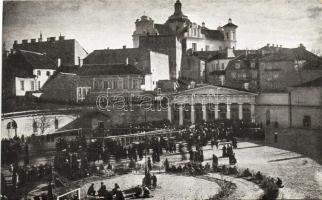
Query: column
point(204, 112)
point(240, 111)
point(180, 115)
point(192, 114)
point(228, 111)
point(216, 111)
point(252, 112)
point(169, 112)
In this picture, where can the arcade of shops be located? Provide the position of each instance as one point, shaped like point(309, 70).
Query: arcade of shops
point(208, 103)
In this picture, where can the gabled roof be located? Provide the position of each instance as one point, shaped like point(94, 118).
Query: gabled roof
point(314, 83)
point(38, 60)
point(213, 88)
point(106, 69)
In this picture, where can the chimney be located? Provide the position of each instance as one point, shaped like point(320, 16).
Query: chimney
point(15, 42)
point(203, 24)
point(33, 41)
point(246, 51)
point(267, 45)
point(58, 62)
point(124, 46)
point(25, 41)
point(273, 45)
point(61, 38)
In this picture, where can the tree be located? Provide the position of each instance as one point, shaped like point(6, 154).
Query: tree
point(43, 124)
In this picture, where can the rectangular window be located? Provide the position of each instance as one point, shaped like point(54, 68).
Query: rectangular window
point(48, 73)
point(38, 72)
point(38, 85)
point(194, 46)
point(125, 84)
point(22, 85)
point(32, 85)
point(217, 66)
point(222, 66)
point(207, 47)
point(95, 85)
point(120, 84)
point(105, 84)
point(114, 84)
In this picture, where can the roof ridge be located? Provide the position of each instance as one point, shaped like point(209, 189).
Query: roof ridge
point(34, 52)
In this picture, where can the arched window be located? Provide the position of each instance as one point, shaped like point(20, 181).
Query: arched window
point(227, 35)
point(34, 126)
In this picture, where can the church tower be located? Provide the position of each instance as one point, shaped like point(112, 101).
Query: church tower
point(230, 34)
point(143, 27)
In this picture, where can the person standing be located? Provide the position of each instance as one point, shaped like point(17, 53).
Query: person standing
point(149, 164)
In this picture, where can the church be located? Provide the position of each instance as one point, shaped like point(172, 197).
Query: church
point(178, 35)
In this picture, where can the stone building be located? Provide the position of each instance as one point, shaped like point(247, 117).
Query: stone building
point(242, 72)
point(154, 65)
point(26, 71)
point(66, 52)
point(208, 103)
point(108, 79)
point(306, 104)
point(280, 67)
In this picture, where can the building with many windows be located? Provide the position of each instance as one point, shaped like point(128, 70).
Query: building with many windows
point(154, 65)
point(108, 79)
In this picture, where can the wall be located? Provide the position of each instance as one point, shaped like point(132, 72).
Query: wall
point(276, 104)
point(64, 49)
point(168, 45)
point(42, 77)
point(214, 45)
point(159, 67)
point(24, 124)
point(306, 101)
point(80, 52)
point(27, 85)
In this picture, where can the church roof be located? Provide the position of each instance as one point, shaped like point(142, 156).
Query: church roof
point(230, 24)
point(177, 16)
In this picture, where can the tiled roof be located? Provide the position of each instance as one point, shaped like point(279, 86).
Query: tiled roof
point(205, 55)
point(61, 87)
point(38, 60)
point(134, 56)
point(213, 34)
point(314, 83)
point(108, 69)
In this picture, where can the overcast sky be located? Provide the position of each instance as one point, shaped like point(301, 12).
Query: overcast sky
point(99, 24)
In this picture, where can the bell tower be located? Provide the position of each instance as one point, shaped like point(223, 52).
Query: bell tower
point(230, 34)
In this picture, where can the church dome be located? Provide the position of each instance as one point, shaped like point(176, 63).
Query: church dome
point(178, 16)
